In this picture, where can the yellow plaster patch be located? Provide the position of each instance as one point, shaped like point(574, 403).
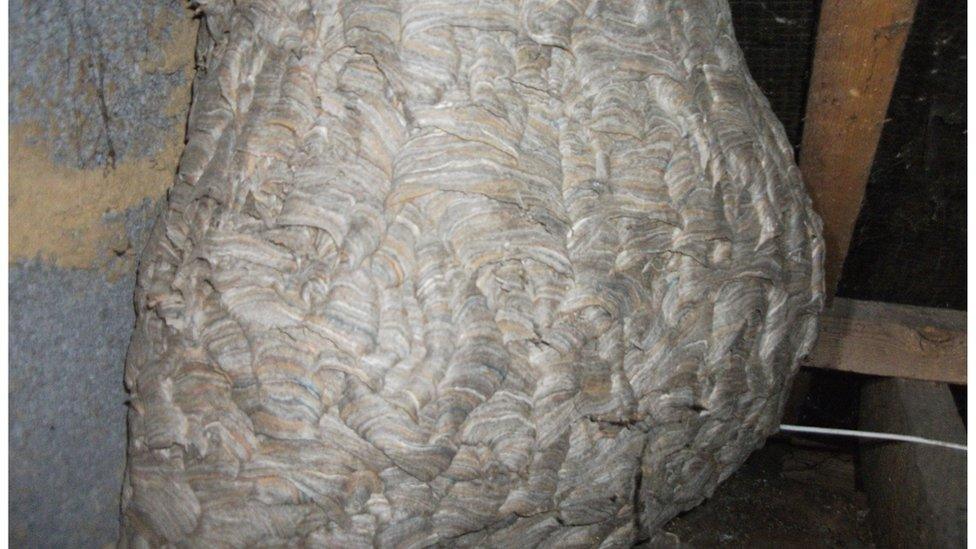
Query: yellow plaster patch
point(177, 51)
point(56, 213)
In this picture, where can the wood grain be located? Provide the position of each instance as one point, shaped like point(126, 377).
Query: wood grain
point(859, 47)
point(917, 493)
point(891, 340)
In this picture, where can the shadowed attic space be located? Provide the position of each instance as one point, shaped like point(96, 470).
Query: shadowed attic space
point(104, 115)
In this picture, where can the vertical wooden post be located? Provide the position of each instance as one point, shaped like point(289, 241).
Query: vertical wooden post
point(917, 494)
point(859, 46)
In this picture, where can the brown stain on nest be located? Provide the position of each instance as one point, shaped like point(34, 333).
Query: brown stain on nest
point(63, 214)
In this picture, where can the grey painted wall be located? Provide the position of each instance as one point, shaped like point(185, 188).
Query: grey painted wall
point(69, 329)
point(100, 89)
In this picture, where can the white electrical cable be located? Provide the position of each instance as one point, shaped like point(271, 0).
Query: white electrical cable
point(870, 434)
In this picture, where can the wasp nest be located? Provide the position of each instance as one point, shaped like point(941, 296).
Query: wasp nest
point(437, 272)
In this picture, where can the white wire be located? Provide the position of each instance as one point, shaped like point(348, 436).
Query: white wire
point(870, 434)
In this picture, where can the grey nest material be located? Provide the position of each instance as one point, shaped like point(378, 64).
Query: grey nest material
point(501, 273)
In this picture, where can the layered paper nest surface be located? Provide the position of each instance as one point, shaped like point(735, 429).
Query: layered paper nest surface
point(488, 273)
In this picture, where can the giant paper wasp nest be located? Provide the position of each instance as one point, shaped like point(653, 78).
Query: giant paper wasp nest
point(464, 273)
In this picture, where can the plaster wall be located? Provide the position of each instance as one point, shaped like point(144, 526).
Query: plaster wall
point(98, 100)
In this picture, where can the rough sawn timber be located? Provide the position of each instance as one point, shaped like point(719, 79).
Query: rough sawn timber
point(917, 492)
point(859, 46)
point(498, 273)
point(885, 339)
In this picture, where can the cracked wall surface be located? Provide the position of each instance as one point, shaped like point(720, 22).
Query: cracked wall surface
point(98, 101)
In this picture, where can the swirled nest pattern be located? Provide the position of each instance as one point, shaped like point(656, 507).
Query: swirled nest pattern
point(500, 273)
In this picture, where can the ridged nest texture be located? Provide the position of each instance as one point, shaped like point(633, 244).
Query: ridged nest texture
point(500, 273)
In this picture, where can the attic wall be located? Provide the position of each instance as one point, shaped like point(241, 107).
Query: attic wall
point(98, 99)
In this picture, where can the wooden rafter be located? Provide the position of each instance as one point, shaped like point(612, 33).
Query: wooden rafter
point(859, 47)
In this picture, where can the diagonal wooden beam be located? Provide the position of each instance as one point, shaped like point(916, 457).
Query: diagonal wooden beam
point(859, 47)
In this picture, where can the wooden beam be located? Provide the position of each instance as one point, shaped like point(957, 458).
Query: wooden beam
point(885, 339)
point(859, 46)
point(917, 493)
